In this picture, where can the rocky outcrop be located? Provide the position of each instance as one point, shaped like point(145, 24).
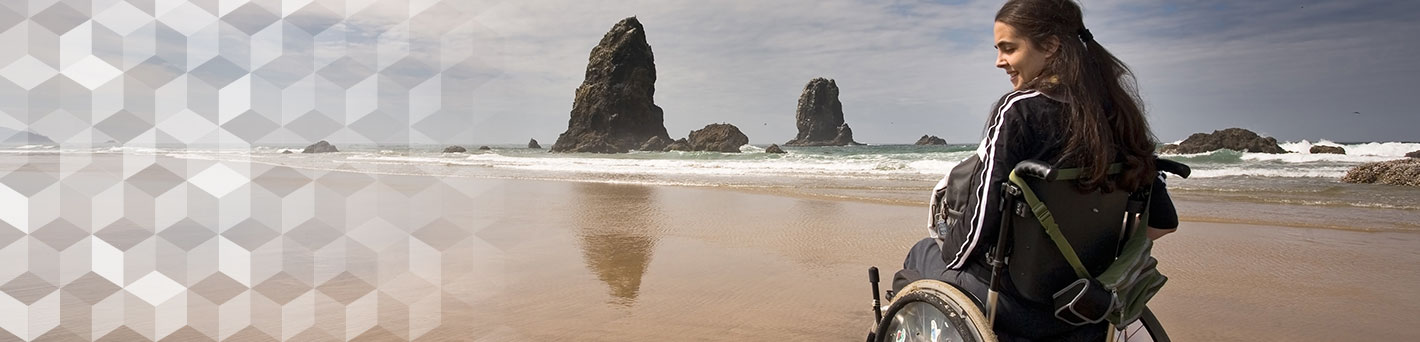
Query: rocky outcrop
point(1169, 149)
point(718, 138)
point(1393, 172)
point(532, 143)
point(678, 145)
point(1316, 149)
point(820, 117)
point(613, 111)
point(1236, 139)
point(320, 147)
point(774, 148)
point(1413, 154)
point(655, 144)
point(455, 149)
point(485, 148)
point(286, 152)
point(930, 140)
point(14, 137)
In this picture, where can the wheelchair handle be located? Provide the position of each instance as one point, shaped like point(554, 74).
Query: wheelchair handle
point(1173, 167)
point(1037, 169)
point(1044, 171)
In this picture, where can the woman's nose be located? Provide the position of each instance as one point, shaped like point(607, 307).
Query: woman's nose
point(1000, 61)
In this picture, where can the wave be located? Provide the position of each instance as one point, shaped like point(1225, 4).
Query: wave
point(692, 163)
point(1290, 172)
point(1373, 149)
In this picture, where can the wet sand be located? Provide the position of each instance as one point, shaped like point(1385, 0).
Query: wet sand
point(442, 258)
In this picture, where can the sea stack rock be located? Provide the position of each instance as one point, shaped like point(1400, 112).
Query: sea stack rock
point(1318, 149)
point(532, 143)
point(820, 117)
point(678, 145)
point(485, 148)
point(14, 137)
point(455, 149)
point(1413, 154)
point(655, 144)
point(1236, 139)
point(320, 147)
point(613, 111)
point(930, 140)
point(1394, 172)
point(719, 138)
point(774, 148)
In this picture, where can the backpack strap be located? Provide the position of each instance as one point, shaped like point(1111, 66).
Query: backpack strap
point(1047, 221)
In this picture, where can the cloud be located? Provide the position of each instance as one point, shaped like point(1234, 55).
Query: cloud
point(912, 68)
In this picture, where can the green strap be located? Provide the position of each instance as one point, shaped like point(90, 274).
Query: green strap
point(1070, 174)
point(1047, 221)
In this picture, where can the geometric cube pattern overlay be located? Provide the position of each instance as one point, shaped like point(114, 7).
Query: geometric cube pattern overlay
point(139, 246)
point(219, 250)
point(241, 73)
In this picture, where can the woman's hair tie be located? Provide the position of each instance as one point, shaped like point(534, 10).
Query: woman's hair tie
point(1085, 35)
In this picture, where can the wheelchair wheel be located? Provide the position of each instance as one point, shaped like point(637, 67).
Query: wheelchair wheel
point(933, 311)
point(1146, 329)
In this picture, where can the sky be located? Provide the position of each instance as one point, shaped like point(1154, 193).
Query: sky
point(501, 72)
point(1289, 69)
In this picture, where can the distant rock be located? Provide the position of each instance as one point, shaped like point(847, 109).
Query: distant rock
point(930, 140)
point(820, 117)
point(774, 148)
point(678, 145)
point(613, 111)
point(1236, 139)
point(1413, 154)
point(286, 152)
point(485, 148)
point(655, 144)
point(455, 149)
point(14, 137)
point(532, 143)
point(320, 147)
point(719, 138)
point(1169, 149)
point(1317, 149)
point(1394, 172)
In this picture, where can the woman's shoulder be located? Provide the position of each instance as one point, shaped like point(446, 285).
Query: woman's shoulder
point(1028, 103)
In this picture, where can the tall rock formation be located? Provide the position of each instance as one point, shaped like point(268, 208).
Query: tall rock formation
point(613, 111)
point(820, 117)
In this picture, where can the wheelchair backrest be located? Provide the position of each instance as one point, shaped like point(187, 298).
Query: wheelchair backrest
point(1093, 223)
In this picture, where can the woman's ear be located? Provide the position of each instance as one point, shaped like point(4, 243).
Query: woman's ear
point(1052, 45)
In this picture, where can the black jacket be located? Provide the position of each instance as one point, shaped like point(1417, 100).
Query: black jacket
point(966, 204)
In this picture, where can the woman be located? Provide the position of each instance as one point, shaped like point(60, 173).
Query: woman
point(1074, 106)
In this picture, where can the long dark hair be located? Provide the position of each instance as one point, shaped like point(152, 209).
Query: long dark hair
point(1104, 116)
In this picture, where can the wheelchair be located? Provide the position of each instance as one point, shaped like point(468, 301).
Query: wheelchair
point(1030, 246)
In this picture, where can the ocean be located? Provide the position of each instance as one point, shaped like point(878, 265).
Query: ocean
point(1299, 188)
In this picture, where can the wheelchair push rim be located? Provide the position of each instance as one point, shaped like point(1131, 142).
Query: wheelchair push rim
point(931, 310)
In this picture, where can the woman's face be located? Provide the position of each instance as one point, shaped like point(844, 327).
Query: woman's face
point(1019, 56)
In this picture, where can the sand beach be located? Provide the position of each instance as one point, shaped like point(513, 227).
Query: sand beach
point(308, 254)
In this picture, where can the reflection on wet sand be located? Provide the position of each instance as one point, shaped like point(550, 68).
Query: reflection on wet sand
point(617, 227)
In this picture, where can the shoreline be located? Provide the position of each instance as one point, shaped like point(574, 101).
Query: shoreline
point(900, 197)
